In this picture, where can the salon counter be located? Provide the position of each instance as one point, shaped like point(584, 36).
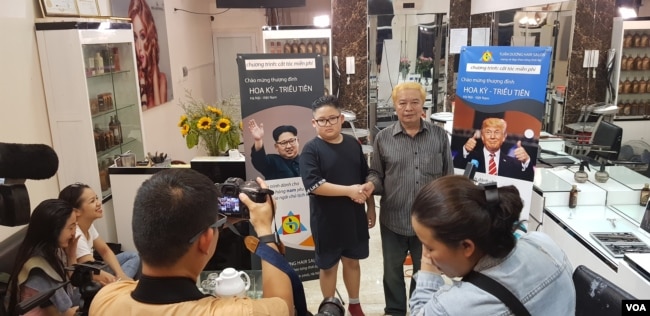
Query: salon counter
point(571, 228)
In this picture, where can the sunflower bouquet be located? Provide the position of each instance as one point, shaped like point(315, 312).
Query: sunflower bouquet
point(212, 126)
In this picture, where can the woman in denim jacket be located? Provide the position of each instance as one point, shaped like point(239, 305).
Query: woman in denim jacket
point(461, 231)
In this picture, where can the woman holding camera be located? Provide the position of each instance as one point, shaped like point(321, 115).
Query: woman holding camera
point(88, 208)
point(467, 232)
point(49, 246)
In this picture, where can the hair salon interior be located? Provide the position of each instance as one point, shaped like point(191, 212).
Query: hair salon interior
point(600, 78)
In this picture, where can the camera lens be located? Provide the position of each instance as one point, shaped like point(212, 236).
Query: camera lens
point(331, 306)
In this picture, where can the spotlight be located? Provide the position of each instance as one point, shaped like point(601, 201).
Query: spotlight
point(628, 8)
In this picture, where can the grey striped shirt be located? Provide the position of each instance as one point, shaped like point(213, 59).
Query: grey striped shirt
point(401, 165)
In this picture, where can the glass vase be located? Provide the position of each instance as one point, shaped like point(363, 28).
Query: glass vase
point(404, 72)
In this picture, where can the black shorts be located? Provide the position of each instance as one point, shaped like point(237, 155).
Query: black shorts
point(327, 259)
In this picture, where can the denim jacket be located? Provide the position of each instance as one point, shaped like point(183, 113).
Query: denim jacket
point(536, 271)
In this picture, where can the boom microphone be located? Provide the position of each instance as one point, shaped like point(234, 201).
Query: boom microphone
point(27, 161)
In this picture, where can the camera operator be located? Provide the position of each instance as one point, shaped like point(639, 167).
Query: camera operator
point(176, 226)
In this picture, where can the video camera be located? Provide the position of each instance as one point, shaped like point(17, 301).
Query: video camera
point(231, 205)
point(330, 306)
point(19, 162)
point(82, 278)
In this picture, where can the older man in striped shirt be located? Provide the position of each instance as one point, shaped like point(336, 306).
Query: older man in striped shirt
point(407, 155)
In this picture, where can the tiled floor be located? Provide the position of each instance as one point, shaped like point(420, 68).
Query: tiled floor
point(372, 291)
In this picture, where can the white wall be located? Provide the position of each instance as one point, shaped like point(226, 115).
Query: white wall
point(23, 116)
point(190, 45)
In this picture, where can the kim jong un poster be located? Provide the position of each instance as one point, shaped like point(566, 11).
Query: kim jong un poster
point(277, 91)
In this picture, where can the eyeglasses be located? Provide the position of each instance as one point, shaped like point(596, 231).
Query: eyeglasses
point(323, 121)
point(290, 141)
point(221, 220)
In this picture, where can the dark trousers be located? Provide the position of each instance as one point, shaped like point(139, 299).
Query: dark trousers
point(394, 247)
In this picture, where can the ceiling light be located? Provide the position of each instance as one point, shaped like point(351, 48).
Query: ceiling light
point(322, 20)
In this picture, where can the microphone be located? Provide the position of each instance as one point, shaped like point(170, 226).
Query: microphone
point(470, 169)
point(27, 161)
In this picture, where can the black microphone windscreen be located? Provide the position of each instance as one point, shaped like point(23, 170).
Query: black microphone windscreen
point(27, 161)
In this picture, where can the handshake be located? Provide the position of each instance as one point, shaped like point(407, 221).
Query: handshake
point(359, 193)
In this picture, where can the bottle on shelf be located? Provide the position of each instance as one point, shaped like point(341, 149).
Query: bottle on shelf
point(100, 143)
point(324, 47)
point(272, 48)
point(119, 136)
point(636, 40)
point(310, 47)
point(287, 47)
point(644, 40)
point(638, 62)
point(112, 127)
point(627, 86)
point(627, 40)
point(573, 196)
point(645, 194)
point(108, 61)
point(635, 85)
point(99, 63)
point(630, 62)
point(643, 85)
point(326, 70)
point(295, 48)
point(90, 70)
point(116, 59)
point(317, 48)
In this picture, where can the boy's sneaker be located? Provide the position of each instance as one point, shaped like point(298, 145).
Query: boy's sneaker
point(355, 310)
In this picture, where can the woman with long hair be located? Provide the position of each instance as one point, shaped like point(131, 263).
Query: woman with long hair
point(153, 82)
point(88, 208)
point(467, 232)
point(49, 246)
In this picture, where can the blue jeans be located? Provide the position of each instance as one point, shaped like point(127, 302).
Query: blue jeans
point(129, 262)
point(394, 248)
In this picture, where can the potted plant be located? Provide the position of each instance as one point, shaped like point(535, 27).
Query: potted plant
point(211, 125)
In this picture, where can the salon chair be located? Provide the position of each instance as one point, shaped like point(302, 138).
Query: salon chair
point(8, 251)
point(596, 295)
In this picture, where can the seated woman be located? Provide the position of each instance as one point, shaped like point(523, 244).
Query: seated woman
point(49, 246)
point(466, 228)
point(88, 208)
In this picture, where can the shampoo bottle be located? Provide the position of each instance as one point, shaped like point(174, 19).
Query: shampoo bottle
point(573, 196)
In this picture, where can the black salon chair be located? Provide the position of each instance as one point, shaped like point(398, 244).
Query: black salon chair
point(596, 295)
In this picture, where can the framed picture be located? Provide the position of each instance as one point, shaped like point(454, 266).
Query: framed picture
point(87, 8)
point(59, 8)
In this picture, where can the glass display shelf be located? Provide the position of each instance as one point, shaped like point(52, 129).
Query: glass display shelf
point(113, 98)
point(108, 74)
point(111, 111)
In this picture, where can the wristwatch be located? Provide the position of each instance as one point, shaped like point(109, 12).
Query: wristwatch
point(272, 238)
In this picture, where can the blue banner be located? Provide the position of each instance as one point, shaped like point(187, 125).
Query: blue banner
point(498, 112)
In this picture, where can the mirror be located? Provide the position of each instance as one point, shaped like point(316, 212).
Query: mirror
point(397, 39)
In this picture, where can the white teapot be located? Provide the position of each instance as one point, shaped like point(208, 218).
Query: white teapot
point(232, 283)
